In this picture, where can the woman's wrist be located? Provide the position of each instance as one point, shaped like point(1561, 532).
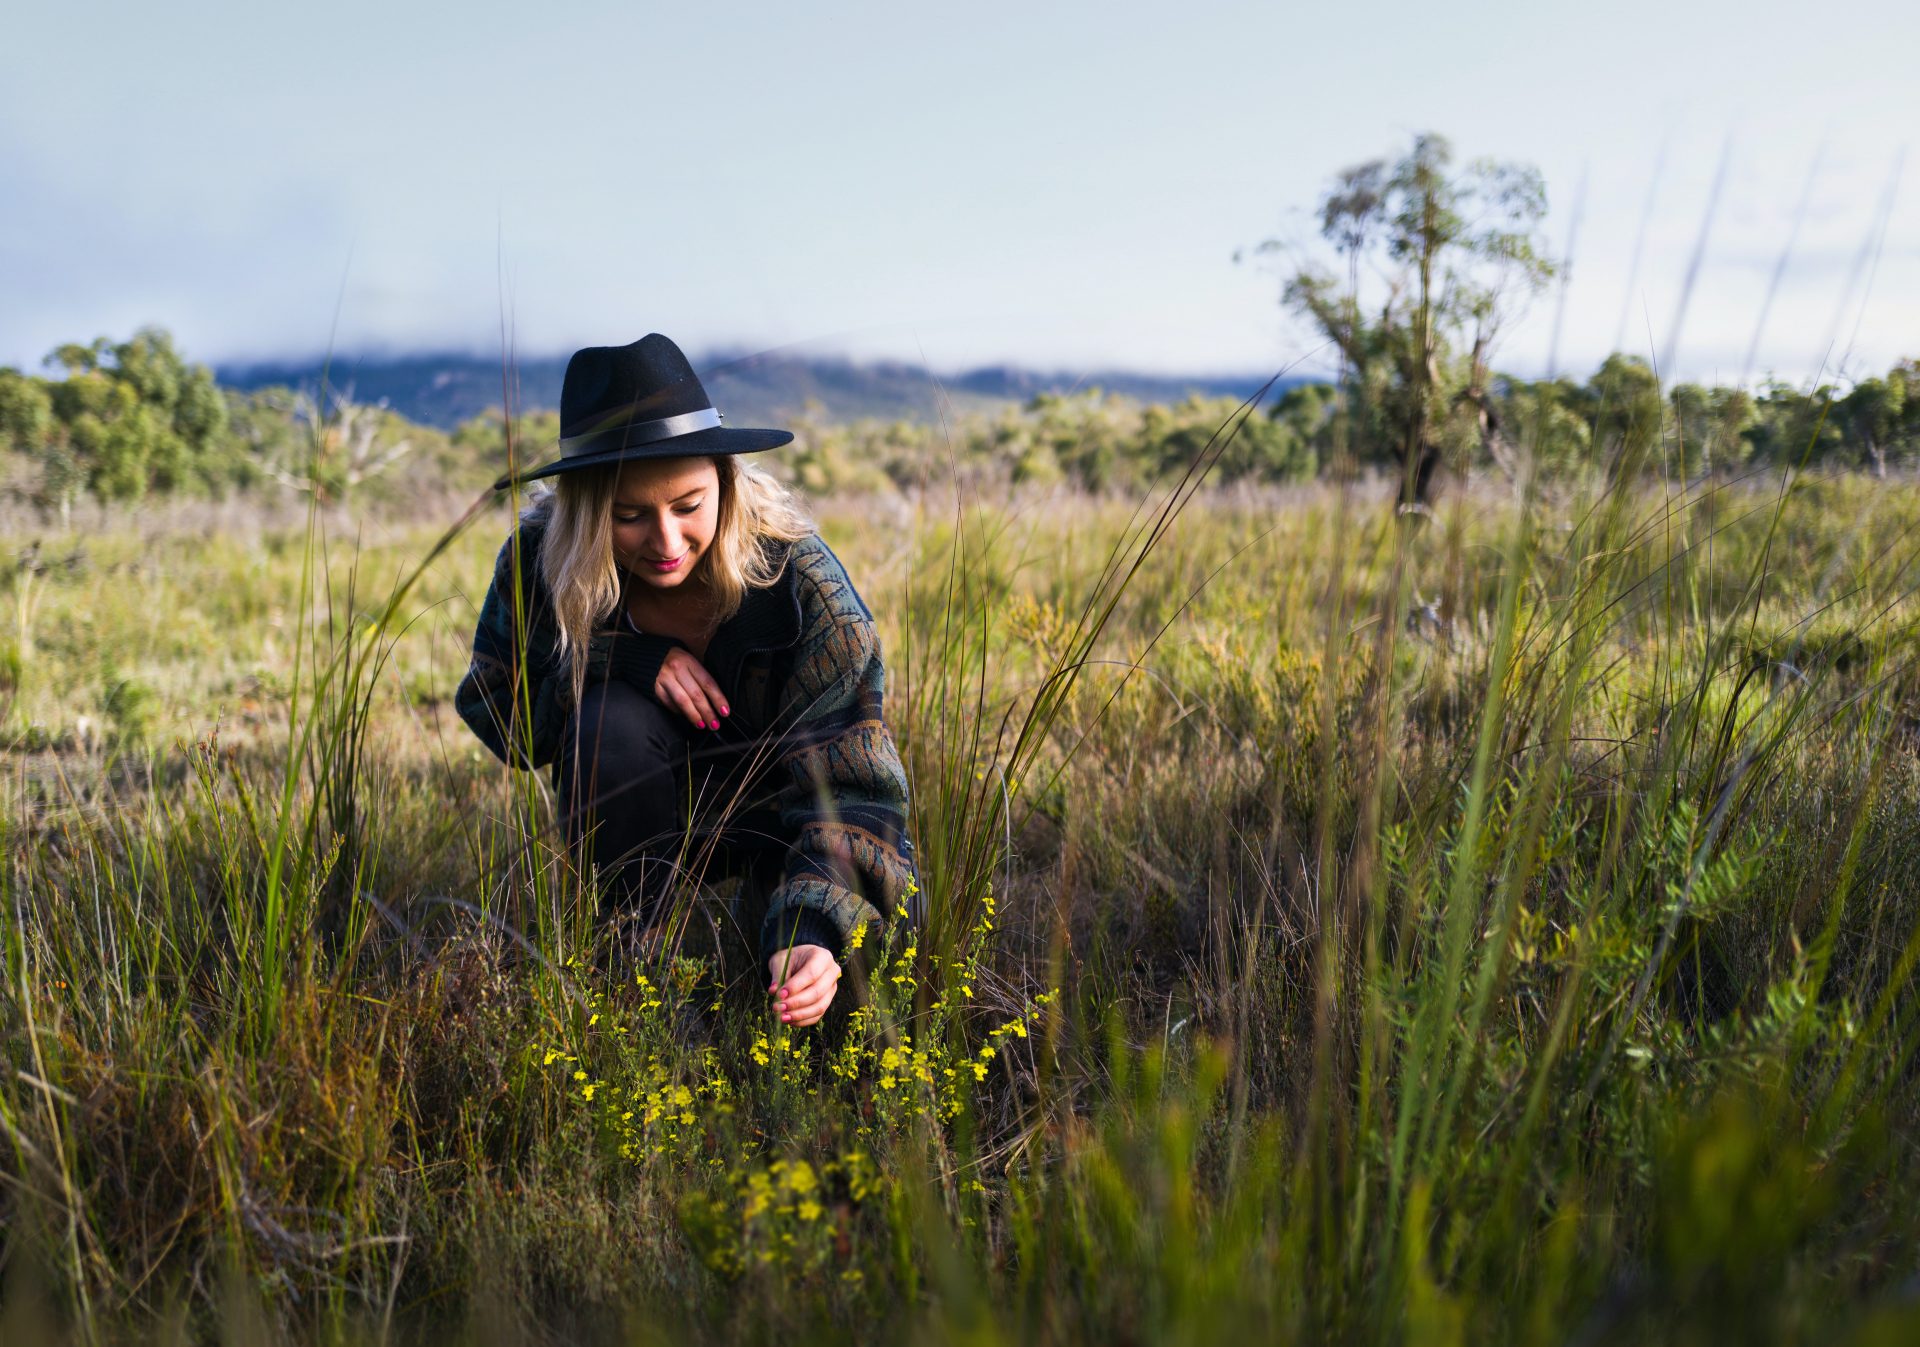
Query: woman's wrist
point(799, 926)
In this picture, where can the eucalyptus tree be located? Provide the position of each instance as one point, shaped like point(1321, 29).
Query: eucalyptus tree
point(1437, 262)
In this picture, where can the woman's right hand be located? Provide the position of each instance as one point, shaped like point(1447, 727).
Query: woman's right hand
point(685, 686)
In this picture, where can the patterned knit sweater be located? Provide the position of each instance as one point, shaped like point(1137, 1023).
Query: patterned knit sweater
point(800, 664)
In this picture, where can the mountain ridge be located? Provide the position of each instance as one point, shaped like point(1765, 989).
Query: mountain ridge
point(444, 389)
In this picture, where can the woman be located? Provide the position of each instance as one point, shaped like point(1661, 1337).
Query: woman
point(667, 630)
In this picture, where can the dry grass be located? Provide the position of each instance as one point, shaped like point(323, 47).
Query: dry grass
point(1497, 925)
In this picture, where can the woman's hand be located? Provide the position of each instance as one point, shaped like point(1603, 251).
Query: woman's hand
point(685, 685)
point(812, 976)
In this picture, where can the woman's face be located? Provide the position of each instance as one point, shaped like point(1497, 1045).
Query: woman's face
point(665, 513)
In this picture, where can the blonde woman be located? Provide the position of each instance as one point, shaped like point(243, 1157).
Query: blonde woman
point(666, 629)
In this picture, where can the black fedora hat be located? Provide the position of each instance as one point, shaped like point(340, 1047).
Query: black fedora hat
point(639, 401)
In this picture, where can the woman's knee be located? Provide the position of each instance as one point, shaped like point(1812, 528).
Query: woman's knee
point(618, 758)
point(616, 722)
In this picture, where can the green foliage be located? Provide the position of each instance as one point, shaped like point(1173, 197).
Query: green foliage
point(134, 419)
point(1793, 428)
point(1549, 420)
point(26, 412)
point(1627, 414)
point(129, 418)
point(1879, 419)
point(1621, 422)
point(1708, 427)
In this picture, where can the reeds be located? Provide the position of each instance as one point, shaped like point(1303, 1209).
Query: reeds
point(1497, 926)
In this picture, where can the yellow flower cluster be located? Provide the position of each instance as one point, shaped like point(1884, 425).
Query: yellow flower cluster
point(906, 1061)
point(790, 1216)
point(923, 1072)
point(652, 1110)
point(651, 1103)
point(790, 1053)
point(659, 1115)
point(914, 1082)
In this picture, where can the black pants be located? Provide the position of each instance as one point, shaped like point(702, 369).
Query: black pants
point(648, 800)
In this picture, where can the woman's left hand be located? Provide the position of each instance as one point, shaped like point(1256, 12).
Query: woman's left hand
point(812, 977)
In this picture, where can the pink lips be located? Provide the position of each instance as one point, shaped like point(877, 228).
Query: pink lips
point(664, 567)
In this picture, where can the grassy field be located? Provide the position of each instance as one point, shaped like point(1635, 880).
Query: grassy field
point(1496, 926)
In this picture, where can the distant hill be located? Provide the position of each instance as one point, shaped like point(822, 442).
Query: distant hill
point(444, 390)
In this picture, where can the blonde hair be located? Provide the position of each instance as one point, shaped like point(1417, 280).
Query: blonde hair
point(576, 551)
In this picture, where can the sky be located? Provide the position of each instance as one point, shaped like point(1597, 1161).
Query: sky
point(1057, 185)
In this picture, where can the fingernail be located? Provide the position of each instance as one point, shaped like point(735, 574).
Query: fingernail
point(785, 1016)
point(726, 710)
point(714, 726)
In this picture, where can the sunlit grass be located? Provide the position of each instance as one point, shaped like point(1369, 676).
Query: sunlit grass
point(1491, 927)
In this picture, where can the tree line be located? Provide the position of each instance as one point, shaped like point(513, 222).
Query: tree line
point(120, 422)
point(1617, 424)
point(123, 422)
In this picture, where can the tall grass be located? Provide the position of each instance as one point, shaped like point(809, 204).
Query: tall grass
point(1497, 926)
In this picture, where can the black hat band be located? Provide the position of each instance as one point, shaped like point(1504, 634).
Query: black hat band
point(641, 432)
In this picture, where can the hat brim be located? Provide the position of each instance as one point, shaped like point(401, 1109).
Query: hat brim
point(715, 440)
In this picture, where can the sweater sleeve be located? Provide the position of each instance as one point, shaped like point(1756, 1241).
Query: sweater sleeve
point(842, 790)
point(520, 724)
point(511, 694)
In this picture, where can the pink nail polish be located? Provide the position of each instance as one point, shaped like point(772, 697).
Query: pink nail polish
point(726, 710)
